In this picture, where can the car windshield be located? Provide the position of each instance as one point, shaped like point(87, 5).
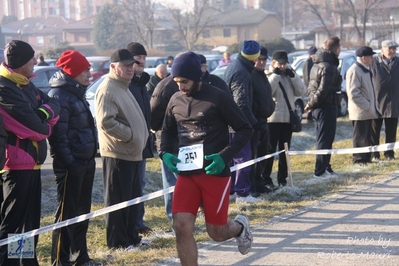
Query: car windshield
point(91, 91)
point(150, 63)
point(95, 65)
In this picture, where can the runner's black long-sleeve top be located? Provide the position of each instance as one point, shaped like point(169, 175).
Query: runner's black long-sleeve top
point(204, 119)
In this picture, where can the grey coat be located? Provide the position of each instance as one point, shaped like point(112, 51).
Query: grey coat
point(386, 86)
point(360, 91)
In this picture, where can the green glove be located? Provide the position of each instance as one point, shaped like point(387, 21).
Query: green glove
point(216, 166)
point(170, 160)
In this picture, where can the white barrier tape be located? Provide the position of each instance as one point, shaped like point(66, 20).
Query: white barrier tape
point(251, 162)
point(87, 216)
point(153, 195)
point(382, 147)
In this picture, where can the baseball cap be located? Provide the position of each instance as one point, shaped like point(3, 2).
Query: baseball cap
point(263, 53)
point(389, 43)
point(364, 51)
point(123, 56)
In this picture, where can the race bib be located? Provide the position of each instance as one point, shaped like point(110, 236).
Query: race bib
point(191, 157)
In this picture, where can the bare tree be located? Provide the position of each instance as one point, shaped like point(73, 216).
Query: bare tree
point(140, 19)
point(360, 13)
point(344, 12)
point(320, 11)
point(191, 22)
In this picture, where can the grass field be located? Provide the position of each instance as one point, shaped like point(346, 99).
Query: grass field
point(306, 190)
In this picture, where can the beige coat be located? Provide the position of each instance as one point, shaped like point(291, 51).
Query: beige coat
point(360, 91)
point(122, 130)
point(294, 87)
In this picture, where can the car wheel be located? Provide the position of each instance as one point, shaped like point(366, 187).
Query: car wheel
point(343, 105)
point(299, 108)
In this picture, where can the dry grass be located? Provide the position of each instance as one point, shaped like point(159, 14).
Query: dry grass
point(307, 190)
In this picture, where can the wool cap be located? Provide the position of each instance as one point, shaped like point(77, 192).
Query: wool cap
point(263, 53)
point(136, 48)
point(250, 50)
point(187, 65)
point(123, 56)
point(280, 56)
point(364, 51)
point(72, 63)
point(17, 53)
point(312, 50)
point(202, 59)
point(389, 43)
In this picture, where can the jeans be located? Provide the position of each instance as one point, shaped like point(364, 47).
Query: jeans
point(143, 181)
point(168, 180)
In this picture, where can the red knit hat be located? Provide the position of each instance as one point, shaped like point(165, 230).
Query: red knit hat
point(72, 63)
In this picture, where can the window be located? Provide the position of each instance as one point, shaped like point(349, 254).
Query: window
point(40, 41)
point(206, 34)
point(226, 33)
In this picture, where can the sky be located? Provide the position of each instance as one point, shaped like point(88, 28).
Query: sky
point(175, 3)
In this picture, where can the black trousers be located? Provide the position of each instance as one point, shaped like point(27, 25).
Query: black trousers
point(326, 123)
point(121, 183)
point(259, 142)
point(74, 188)
point(391, 125)
point(361, 138)
point(279, 133)
point(20, 210)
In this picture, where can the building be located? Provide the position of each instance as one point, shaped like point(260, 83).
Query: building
point(254, 24)
point(40, 32)
point(70, 9)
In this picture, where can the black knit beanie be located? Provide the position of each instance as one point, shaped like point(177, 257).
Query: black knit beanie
point(136, 48)
point(18, 53)
point(187, 65)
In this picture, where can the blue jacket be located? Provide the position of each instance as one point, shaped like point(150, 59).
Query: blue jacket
point(75, 137)
point(238, 79)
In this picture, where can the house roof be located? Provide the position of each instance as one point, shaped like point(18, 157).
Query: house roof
point(86, 23)
point(38, 25)
point(241, 17)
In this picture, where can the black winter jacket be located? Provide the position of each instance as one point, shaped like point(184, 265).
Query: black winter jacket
point(139, 90)
point(203, 118)
point(325, 80)
point(263, 104)
point(386, 86)
point(3, 143)
point(154, 80)
point(159, 101)
point(26, 130)
point(216, 82)
point(238, 79)
point(74, 139)
point(307, 66)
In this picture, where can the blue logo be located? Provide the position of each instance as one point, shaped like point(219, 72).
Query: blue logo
point(21, 247)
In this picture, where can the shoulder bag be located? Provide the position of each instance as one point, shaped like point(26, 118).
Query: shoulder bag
point(295, 121)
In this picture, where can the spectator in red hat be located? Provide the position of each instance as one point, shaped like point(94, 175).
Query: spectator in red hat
point(73, 148)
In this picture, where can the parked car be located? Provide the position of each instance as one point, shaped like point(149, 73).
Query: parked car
point(153, 61)
point(346, 60)
point(212, 60)
point(1, 55)
point(43, 75)
point(50, 61)
point(294, 55)
point(91, 93)
point(99, 66)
